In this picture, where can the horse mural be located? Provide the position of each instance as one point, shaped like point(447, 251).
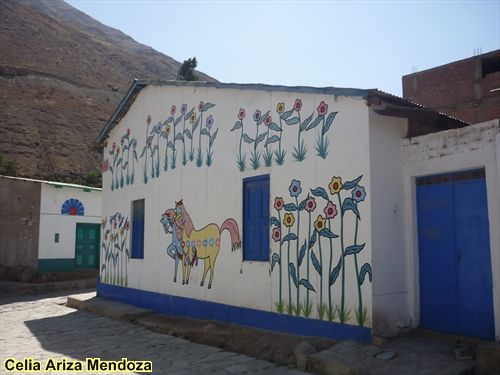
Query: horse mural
point(196, 244)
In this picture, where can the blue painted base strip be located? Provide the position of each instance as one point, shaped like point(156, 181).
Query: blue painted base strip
point(198, 309)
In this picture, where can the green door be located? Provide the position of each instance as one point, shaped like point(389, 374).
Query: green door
point(87, 245)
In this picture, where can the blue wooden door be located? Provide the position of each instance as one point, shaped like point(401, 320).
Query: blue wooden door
point(454, 254)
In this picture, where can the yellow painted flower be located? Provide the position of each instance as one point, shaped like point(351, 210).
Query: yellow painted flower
point(288, 219)
point(122, 232)
point(335, 185)
point(193, 117)
point(280, 107)
point(117, 149)
point(320, 222)
point(167, 129)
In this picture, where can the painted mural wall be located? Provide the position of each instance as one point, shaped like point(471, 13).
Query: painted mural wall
point(61, 208)
point(186, 151)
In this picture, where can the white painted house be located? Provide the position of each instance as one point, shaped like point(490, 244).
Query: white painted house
point(49, 226)
point(285, 208)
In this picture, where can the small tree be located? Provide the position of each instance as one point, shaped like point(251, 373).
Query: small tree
point(186, 71)
point(7, 167)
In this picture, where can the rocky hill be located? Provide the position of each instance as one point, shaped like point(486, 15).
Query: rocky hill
point(62, 74)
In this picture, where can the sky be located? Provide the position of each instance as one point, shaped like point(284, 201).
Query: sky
point(361, 44)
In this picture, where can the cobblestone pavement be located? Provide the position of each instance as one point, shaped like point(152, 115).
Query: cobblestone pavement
point(41, 327)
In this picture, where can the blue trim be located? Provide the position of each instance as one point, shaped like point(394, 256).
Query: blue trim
point(197, 309)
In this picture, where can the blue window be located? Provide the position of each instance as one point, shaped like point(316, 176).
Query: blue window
point(256, 218)
point(138, 229)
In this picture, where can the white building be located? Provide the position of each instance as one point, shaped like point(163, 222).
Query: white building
point(48, 226)
point(285, 208)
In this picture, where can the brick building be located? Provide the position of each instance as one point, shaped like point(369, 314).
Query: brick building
point(468, 89)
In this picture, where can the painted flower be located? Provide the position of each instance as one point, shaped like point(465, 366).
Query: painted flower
point(122, 232)
point(322, 108)
point(134, 144)
point(127, 225)
point(288, 219)
point(173, 109)
point(168, 129)
point(276, 234)
point(358, 193)
point(335, 185)
point(241, 114)
point(148, 120)
point(256, 115)
point(115, 224)
point(295, 188)
point(106, 236)
point(268, 120)
point(117, 149)
point(149, 143)
point(114, 146)
point(280, 107)
point(330, 210)
point(193, 117)
point(210, 122)
point(278, 203)
point(200, 106)
point(122, 141)
point(297, 105)
point(128, 131)
point(73, 207)
point(184, 108)
point(319, 224)
point(310, 204)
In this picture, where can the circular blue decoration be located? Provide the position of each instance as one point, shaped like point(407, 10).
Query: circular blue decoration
point(211, 242)
point(73, 207)
point(205, 242)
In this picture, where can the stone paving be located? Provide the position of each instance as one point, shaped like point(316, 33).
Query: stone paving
point(42, 327)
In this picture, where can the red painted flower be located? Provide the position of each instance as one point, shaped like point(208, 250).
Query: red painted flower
point(278, 203)
point(268, 120)
point(148, 120)
point(330, 210)
point(128, 131)
point(276, 234)
point(173, 109)
point(297, 105)
point(322, 108)
point(114, 145)
point(200, 106)
point(241, 114)
point(310, 204)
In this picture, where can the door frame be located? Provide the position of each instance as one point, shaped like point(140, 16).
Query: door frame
point(450, 164)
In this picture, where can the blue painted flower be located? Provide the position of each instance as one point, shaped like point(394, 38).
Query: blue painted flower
point(73, 207)
point(358, 193)
point(295, 188)
point(256, 115)
point(210, 121)
point(184, 109)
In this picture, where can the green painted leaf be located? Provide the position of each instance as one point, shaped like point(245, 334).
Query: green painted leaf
point(207, 106)
point(315, 123)
point(306, 284)
point(125, 165)
point(365, 269)
point(212, 138)
point(286, 114)
point(290, 207)
point(274, 126)
point(179, 137)
point(316, 263)
point(302, 204)
point(289, 237)
point(135, 156)
point(143, 151)
point(350, 205)
point(328, 122)
point(177, 121)
point(292, 121)
point(312, 240)
point(275, 259)
point(351, 184)
point(335, 272)
point(237, 125)
point(170, 144)
point(196, 124)
point(320, 192)
point(302, 252)
point(205, 131)
point(247, 139)
point(272, 139)
point(325, 232)
point(354, 249)
point(188, 133)
point(169, 120)
point(260, 138)
point(293, 273)
point(155, 148)
point(187, 116)
point(306, 122)
point(274, 221)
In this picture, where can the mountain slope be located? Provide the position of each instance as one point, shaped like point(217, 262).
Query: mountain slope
point(61, 75)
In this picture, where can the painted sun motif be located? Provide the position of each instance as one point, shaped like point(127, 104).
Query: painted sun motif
point(73, 207)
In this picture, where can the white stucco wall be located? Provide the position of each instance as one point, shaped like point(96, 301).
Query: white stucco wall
point(213, 194)
point(477, 146)
point(390, 286)
point(53, 196)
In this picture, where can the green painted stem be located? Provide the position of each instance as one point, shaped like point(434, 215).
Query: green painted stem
point(289, 276)
point(241, 139)
point(360, 297)
point(297, 254)
point(298, 140)
point(307, 255)
point(184, 137)
point(321, 274)
point(330, 270)
point(281, 260)
point(201, 125)
point(281, 132)
point(342, 298)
